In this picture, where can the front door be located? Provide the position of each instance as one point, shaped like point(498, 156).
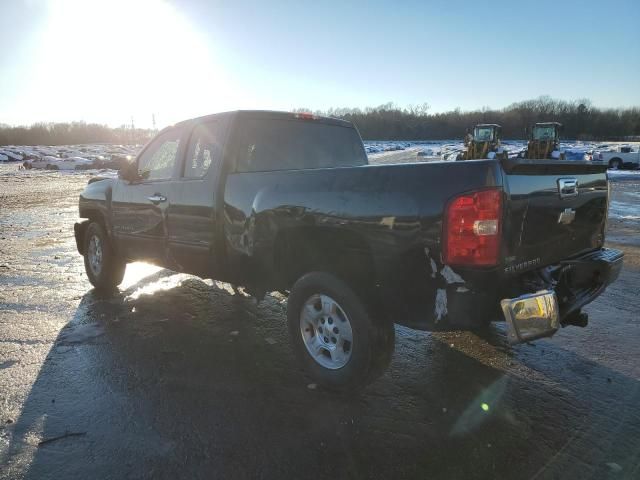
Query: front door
point(140, 208)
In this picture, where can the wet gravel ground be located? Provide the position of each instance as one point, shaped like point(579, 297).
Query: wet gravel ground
point(176, 377)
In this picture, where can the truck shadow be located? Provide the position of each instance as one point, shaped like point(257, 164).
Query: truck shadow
point(178, 378)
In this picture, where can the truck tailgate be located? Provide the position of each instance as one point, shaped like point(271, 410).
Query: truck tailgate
point(554, 210)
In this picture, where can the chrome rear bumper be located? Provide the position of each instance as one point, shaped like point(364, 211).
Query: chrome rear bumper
point(583, 279)
point(531, 316)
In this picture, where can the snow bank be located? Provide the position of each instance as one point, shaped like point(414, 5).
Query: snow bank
point(449, 149)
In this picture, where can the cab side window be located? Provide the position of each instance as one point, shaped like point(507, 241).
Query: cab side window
point(158, 161)
point(205, 149)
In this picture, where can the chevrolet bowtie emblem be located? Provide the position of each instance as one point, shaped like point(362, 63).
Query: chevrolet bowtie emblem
point(567, 216)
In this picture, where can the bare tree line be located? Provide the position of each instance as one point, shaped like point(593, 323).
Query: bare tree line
point(582, 121)
point(71, 134)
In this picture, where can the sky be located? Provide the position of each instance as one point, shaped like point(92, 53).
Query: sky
point(111, 61)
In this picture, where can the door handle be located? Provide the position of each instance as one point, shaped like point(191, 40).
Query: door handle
point(156, 198)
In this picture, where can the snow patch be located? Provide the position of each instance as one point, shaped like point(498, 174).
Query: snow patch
point(450, 276)
point(625, 210)
point(80, 334)
point(434, 267)
point(440, 309)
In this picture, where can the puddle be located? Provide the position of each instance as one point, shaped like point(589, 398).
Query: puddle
point(80, 334)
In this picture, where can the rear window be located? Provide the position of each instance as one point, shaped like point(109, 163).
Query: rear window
point(278, 144)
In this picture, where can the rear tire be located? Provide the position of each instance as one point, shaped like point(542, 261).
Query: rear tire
point(615, 164)
point(334, 336)
point(104, 268)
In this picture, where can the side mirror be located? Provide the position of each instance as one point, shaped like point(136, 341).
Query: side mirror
point(129, 173)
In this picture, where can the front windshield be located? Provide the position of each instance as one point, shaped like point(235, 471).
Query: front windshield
point(544, 133)
point(483, 134)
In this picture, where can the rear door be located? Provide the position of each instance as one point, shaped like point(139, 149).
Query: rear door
point(140, 208)
point(554, 211)
point(192, 224)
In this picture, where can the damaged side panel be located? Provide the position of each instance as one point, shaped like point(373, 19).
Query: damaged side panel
point(452, 297)
point(436, 296)
point(369, 224)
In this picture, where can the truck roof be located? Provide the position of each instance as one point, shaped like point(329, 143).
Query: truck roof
point(548, 124)
point(488, 125)
point(273, 114)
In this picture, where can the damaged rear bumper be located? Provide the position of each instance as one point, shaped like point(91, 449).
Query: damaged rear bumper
point(579, 282)
point(438, 298)
point(531, 316)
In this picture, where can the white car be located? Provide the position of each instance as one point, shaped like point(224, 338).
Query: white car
point(41, 163)
point(11, 156)
point(624, 156)
point(54, 163)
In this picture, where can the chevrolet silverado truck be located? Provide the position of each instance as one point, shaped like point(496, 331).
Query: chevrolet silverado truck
point(274, 201)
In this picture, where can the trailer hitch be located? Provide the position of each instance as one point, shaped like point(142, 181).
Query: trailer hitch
point(577, 319)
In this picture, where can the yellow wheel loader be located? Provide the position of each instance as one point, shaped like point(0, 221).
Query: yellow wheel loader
point(484, 143)
point(544, 142)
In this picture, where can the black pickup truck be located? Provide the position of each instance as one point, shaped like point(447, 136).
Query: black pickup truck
point(288, 202)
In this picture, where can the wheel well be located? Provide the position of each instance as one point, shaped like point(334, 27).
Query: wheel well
point(94, 216)
point(342, 253)
point(614, 159)
point(90, 216)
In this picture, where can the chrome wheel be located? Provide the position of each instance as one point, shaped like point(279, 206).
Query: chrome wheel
point(94, 253)
point(326, 331)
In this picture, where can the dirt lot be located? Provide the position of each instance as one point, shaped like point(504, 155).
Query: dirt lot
point(178, 377)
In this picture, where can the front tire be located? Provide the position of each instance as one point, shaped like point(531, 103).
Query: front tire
point(104, 268)
point(333, 334)
point(615, 164)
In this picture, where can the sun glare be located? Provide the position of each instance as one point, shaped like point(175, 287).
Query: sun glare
point(115, 59)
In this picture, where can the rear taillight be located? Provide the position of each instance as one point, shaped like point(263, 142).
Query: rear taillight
point(306, 116)
point(472, 229)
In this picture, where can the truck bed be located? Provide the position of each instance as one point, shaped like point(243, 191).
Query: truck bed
point(393, 214)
